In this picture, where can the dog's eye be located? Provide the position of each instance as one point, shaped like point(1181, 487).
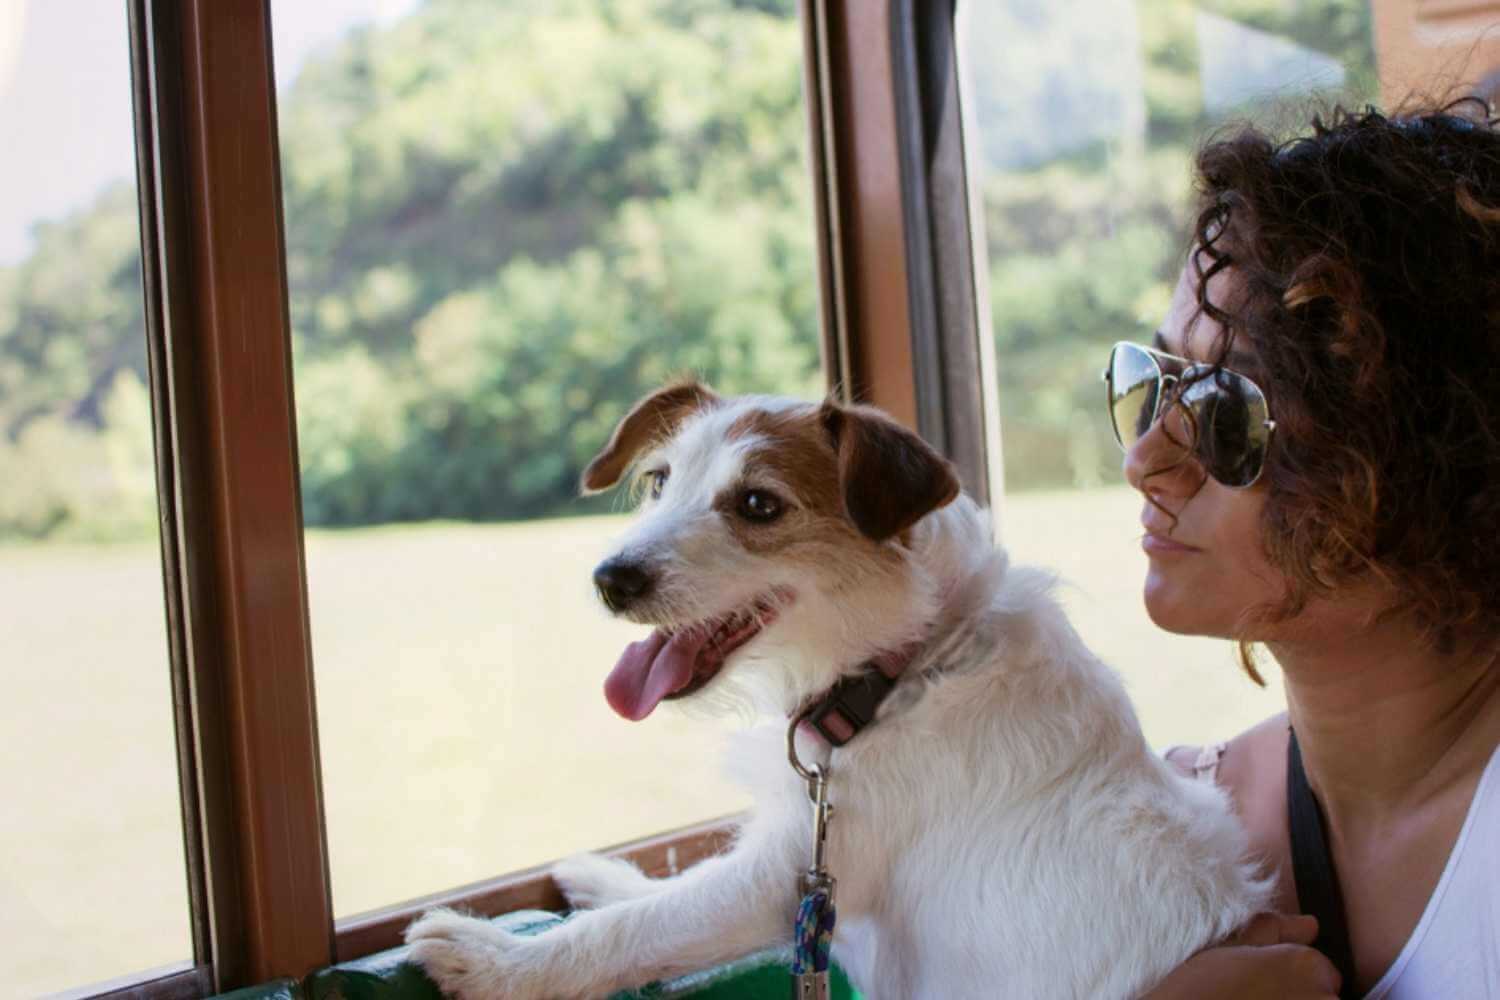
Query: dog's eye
point(760, 506)
point(658, 478)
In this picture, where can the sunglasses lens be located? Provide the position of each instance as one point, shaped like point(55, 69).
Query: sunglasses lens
point(1223, 413)
point(1229, 419)
point(1134, 387)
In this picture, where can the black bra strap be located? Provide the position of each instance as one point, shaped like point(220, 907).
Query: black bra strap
point(1317, 881)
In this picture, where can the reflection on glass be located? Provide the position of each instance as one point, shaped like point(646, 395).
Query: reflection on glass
point(91, 860)
point(1088, 115)
point(506, 222)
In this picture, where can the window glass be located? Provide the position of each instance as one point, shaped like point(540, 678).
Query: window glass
point(506, 222)
point(1088, 115)
point(92, 874)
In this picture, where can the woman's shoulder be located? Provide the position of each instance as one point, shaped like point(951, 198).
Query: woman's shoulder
point(1252, 770)
point(1254, 763)
point(1244, 765)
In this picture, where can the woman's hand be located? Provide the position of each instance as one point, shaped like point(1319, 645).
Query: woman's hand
point(1269, 957)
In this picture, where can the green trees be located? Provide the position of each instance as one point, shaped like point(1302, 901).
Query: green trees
point(75, 431)
point(505, 222)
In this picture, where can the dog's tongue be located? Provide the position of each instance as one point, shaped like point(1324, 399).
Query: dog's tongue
point(650, 670)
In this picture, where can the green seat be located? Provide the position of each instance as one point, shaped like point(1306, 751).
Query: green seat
point(276, 989)
point(388, 976)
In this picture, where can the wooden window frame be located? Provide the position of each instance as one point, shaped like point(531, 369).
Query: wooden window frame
point(954, 364)
point(217, 327)
point(898, 296)
point(904, 280)
point(183, 981)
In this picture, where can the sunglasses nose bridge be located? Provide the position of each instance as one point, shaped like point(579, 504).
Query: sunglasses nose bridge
point(1166, 386)
point(1163, 444)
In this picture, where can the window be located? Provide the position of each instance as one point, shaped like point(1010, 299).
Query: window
point(1087, 121)
point(504, 225)
point(89, 763)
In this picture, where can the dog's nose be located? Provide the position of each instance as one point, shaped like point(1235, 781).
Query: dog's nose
point(620, 582)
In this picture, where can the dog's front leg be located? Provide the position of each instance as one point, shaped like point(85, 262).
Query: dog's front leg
point(591, 881)
point(716, 911)
point(594, 881)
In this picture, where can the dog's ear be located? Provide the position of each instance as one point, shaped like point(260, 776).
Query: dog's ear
point(652, 419)
point(890, 477)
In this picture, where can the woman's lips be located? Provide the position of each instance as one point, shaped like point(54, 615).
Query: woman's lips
point(1161, 545)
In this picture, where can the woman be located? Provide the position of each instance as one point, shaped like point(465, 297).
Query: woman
point(1321, 476)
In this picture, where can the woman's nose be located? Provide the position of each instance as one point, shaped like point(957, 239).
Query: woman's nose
point(1163, 455)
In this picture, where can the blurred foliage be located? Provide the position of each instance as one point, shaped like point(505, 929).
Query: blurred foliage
point(506, 221)
point(63, 476)
point(1088, 127)
point(493, 249)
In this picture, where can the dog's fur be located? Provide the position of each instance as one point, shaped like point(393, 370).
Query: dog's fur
point(1002, 830)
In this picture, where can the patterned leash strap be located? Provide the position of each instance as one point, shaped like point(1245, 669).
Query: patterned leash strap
point(812, 933)
point(813, 937)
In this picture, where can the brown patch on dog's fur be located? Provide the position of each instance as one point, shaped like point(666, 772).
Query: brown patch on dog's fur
point(797, 457)
point(890, 477)
point(851, 466)
point(798, 454)
point(652, 420)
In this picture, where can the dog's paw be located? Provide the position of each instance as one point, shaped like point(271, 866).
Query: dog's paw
point(472, 959)
point(590, 881)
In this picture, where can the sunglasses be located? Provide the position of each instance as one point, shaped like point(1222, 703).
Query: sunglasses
point(1224, 414)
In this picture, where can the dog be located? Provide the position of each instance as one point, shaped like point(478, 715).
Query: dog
point(1000, 828)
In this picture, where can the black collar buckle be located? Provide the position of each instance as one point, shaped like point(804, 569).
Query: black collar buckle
point(850, 705)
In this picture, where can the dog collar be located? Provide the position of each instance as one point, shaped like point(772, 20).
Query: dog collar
point(844, 710)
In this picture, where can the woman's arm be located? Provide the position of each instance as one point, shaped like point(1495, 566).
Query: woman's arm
point(1270, 957)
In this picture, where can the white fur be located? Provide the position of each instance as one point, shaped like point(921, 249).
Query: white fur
point(1002, 830)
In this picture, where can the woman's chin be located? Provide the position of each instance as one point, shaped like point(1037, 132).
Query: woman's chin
point(1173, 607)
point(1183, 611)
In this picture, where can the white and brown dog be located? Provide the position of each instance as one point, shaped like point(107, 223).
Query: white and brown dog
point(1001, 829)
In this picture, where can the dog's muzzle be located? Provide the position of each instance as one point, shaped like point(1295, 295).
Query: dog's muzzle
point(621, 583)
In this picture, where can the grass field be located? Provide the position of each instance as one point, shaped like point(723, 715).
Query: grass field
point(462, 727)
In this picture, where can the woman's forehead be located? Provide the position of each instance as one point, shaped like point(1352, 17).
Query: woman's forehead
point(1189, 333)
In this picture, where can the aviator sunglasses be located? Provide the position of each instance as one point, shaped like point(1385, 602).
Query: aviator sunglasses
point(1224, 413)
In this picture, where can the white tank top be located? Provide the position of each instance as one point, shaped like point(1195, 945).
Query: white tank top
point(1455, 950)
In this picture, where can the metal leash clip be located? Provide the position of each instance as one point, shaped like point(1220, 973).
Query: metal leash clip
point(813, 930)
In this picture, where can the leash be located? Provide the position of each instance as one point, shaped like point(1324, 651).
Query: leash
point(812, 932)
point(845, 709)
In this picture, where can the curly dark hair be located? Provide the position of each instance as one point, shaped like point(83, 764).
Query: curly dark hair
point(1366, 259)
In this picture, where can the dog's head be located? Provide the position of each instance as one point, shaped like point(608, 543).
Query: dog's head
point(771, 533)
